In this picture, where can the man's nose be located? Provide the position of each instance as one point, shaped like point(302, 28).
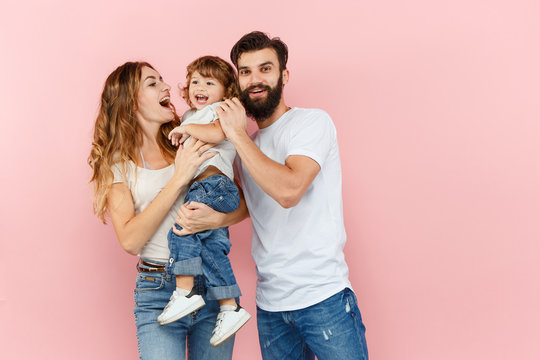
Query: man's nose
point(255, 80)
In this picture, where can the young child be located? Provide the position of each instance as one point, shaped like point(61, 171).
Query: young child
point(209, 80)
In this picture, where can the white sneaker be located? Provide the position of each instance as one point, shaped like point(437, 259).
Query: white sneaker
point(228, 323)
point(180, 306)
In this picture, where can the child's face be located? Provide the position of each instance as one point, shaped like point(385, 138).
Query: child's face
point(204, 90)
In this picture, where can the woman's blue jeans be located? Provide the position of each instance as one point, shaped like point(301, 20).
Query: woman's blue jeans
point(169, 342)
point(331, 329)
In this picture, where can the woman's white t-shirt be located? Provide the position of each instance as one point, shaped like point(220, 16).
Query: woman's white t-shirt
point(144, 187)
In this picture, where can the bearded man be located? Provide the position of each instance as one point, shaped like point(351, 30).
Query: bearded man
point(290, 172)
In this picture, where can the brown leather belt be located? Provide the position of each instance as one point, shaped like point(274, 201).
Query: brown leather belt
point(150, 267)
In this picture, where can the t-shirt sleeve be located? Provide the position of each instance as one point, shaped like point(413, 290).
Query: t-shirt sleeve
point(212, 109)
point(117, 174)
point(313, 136)
point(237, 167)
point(206, 115)
point(186, 116)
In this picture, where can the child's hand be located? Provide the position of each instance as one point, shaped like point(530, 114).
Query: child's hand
point(178, 135)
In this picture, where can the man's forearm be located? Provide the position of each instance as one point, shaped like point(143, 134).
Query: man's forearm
point(277, 180)
point(236, 216)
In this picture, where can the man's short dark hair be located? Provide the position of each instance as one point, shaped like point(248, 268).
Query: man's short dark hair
point(257, 40)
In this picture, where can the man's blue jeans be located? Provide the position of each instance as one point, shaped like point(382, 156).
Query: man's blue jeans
point(331, 329)
point(205, 253)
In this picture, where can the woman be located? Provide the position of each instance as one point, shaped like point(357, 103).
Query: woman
point(140, 180)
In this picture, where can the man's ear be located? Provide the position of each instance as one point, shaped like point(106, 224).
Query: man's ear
point(285, 76)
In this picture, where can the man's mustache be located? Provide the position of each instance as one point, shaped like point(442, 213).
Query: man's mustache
point(257, 86)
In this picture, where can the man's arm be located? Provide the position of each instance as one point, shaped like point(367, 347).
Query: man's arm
point(285, 183)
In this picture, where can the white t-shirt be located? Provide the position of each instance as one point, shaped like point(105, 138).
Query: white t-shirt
point(226, 151)
point(298, 251)
point(144, 190)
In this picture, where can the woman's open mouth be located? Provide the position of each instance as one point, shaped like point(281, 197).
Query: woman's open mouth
point(166, 102)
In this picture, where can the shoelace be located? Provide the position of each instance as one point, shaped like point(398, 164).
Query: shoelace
point(173, 296)
point(218, 322)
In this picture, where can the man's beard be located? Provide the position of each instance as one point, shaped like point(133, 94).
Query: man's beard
point(262, 109)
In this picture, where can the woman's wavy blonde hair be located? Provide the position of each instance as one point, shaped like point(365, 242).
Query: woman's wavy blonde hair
point(117, 134)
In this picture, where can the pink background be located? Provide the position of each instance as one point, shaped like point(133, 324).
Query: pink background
point(437, 109)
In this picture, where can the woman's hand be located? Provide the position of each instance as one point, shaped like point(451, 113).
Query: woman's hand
point(189, 157)
point(195, 217)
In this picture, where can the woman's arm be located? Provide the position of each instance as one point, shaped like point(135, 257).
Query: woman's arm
point(196, 217)
point(134, 231)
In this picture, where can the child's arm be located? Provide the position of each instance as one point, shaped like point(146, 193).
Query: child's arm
point(178, 135)
point(209, 133)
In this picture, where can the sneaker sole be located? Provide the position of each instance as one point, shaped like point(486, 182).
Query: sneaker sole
point(243, 321)
point(195, 306)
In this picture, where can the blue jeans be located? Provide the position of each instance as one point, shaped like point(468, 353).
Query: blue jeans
point(168, 342)
point(205, 253)
point(331, 329)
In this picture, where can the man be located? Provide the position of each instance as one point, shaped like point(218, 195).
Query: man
point(290, 172)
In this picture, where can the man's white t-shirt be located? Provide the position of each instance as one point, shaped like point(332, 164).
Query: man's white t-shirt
point(298, 251)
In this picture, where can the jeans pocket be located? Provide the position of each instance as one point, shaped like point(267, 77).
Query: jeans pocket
point(148, 282)
point(353, 309)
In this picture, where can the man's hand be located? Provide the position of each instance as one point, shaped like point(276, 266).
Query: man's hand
point(195, 217)
point(232, 117)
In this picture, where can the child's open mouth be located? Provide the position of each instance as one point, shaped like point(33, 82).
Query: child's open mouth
point(201, 99)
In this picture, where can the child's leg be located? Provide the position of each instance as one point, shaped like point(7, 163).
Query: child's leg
point(185, 251)
point(184, 282)
point(184, 299)
point(186, 262)
point(216, 267)
point(222, 195)
point(228, 302)
point(221, 285)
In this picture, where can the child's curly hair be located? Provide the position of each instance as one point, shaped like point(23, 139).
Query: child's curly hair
point(212, 66)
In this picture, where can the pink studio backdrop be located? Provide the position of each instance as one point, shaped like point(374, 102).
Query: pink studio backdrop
point(436, 106)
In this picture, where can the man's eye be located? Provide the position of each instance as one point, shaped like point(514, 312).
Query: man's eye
point(266, 68)
point(244, 72)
